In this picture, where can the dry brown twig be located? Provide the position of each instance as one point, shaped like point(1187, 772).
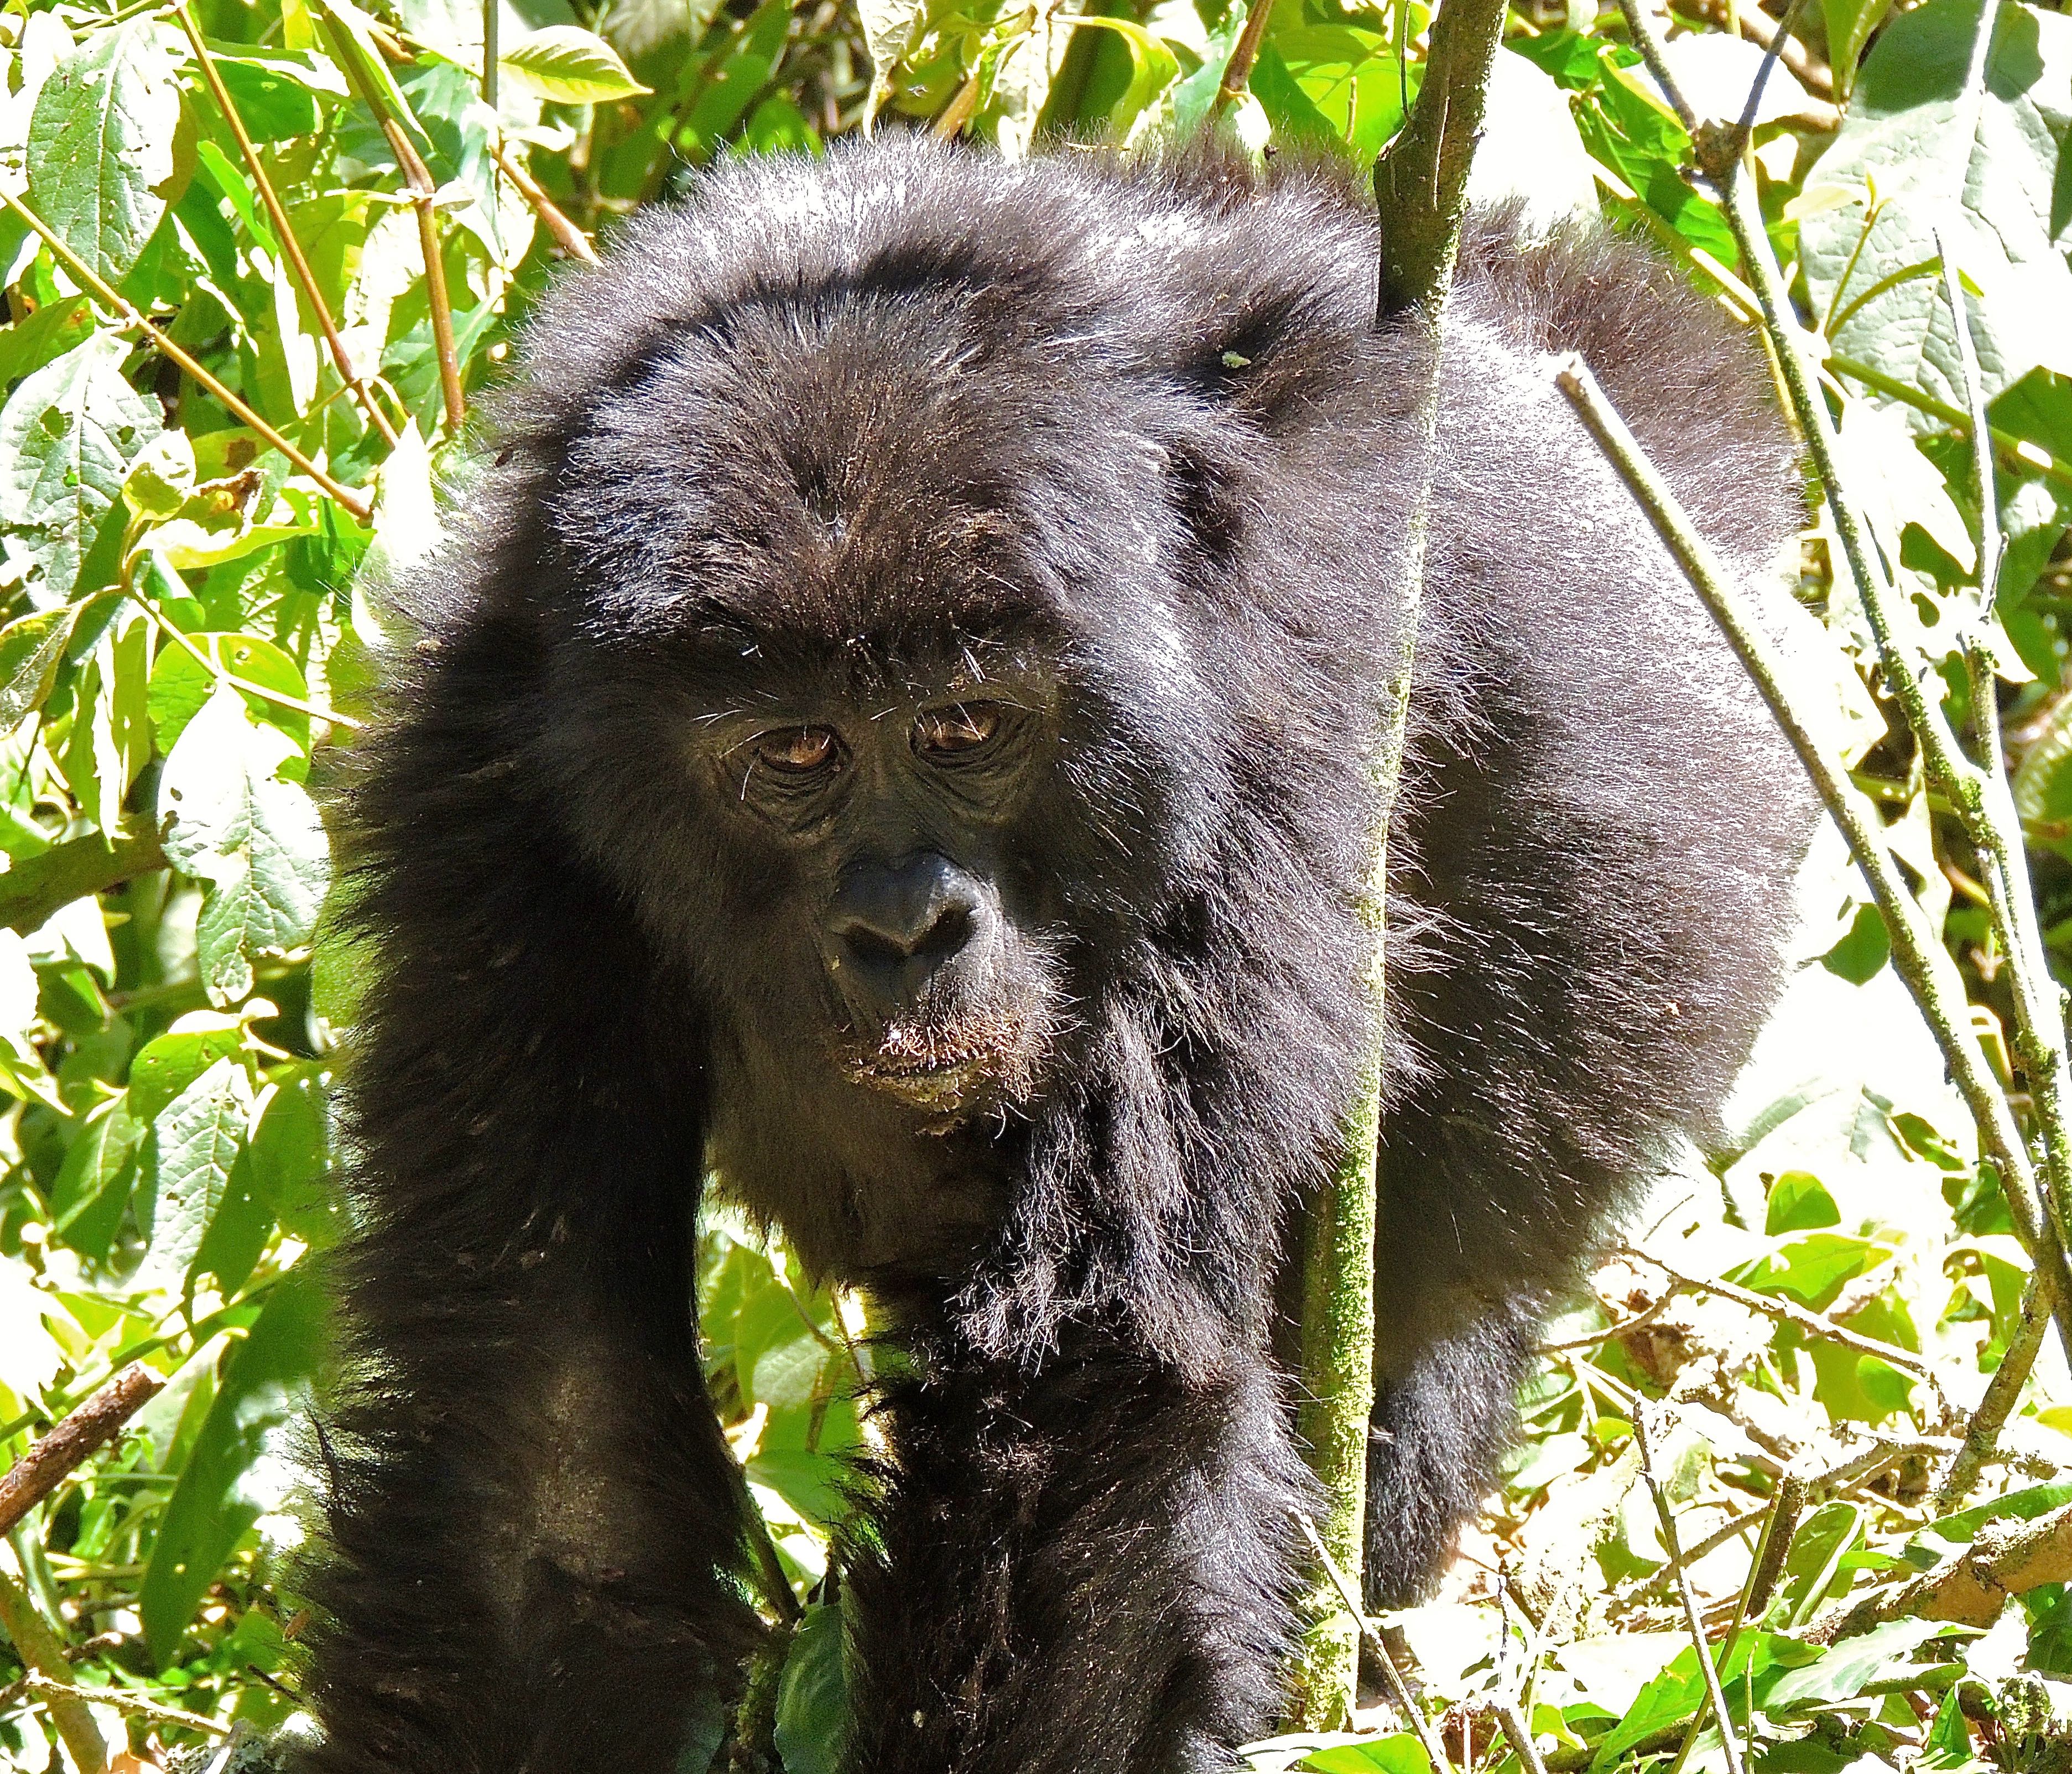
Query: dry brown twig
point(1801, 1317)
point(82, 1434)
point(291, 249)
point(567, 236)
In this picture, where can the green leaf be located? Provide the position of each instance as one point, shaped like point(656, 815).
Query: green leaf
point(51, 331)
point(100, 144)
point(31, 648)
point(1799, 1203)
point(889, 27)
point(1864, 950)
point(1983, 172)
point(1354, 85)
point(1297, 121)
point(1811, 1269)
point(290, 1159)
point(351, 34)
point(1850, 23)
point(1401, 1754)
point(181, 685)
point(571, 66)
point(255, 839)
point(812, 1696)
point(272, 95)
point(95, 1182)
point(1842, 1670)
point(166, 1067)
point(1152, 68)
point(227, 1483)
point(194, 1142)
point(67, 436)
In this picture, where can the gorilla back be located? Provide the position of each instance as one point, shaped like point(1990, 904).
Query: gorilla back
point(893, 736)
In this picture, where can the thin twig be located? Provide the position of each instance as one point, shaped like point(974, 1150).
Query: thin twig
point(1518, 1730)
point(291, 249)
point(73, 1442)
point(121, 1700)
point(1625, 1327)
point(43, 1653)
point(1982, 1433)
point(1237, 71)
point(224, 675)
point(17, 1691)
point(1780, 1523)
point(1791, 1312)
point(1377, 1647)
point(1644, 1437)
point(1917, 952)
point(105, 293)
point(567, 236)
point(423, 195)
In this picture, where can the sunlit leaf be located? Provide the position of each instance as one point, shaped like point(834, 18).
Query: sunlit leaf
point(100, 144)
point(67, 436)
point(253, 837)
point(570, 66)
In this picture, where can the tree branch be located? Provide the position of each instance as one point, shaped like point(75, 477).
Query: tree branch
point(37, 886)
point(76, 1440)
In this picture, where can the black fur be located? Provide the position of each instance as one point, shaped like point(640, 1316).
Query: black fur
point(1118, 442)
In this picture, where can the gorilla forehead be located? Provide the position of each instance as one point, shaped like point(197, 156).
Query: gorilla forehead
point(850, 466)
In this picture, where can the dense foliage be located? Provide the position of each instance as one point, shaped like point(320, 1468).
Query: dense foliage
point(260, 256)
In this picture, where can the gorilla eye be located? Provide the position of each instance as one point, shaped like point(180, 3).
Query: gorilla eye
point(944, 732)
point(800, 749)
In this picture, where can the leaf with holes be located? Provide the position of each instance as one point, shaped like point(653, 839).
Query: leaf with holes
point(194, 1142)
point(67, 436)
point(100, 144)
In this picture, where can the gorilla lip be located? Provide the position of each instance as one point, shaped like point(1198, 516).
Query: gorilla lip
point(947, 1070)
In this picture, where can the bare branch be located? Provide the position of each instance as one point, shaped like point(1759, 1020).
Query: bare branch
point(76, 1440)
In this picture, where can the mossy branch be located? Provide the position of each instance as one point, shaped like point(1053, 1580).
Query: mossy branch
point(1917, 953)
point(1420, 198)
point(37, 886)
point(1978, 792)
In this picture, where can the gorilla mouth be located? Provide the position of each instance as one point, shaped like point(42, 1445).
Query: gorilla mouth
point(954, 1071)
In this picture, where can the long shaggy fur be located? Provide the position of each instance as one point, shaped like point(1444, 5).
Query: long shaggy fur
point(908, 412)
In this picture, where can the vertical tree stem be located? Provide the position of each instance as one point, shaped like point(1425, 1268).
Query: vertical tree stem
point(424, 193)
point(1420, 197)
point(41, 1650)
point(491, 50)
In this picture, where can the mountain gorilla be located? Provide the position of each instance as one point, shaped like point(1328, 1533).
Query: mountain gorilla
point(893, 737)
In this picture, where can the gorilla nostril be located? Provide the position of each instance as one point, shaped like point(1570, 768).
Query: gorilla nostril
point(952, 933)
point(873, 947)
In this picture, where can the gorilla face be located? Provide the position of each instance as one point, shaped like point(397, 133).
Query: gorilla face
point(899, 816)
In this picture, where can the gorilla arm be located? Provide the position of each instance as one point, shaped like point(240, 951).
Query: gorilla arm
point(532, 1508)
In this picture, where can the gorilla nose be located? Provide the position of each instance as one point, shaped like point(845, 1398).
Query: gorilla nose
point(893, 926)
